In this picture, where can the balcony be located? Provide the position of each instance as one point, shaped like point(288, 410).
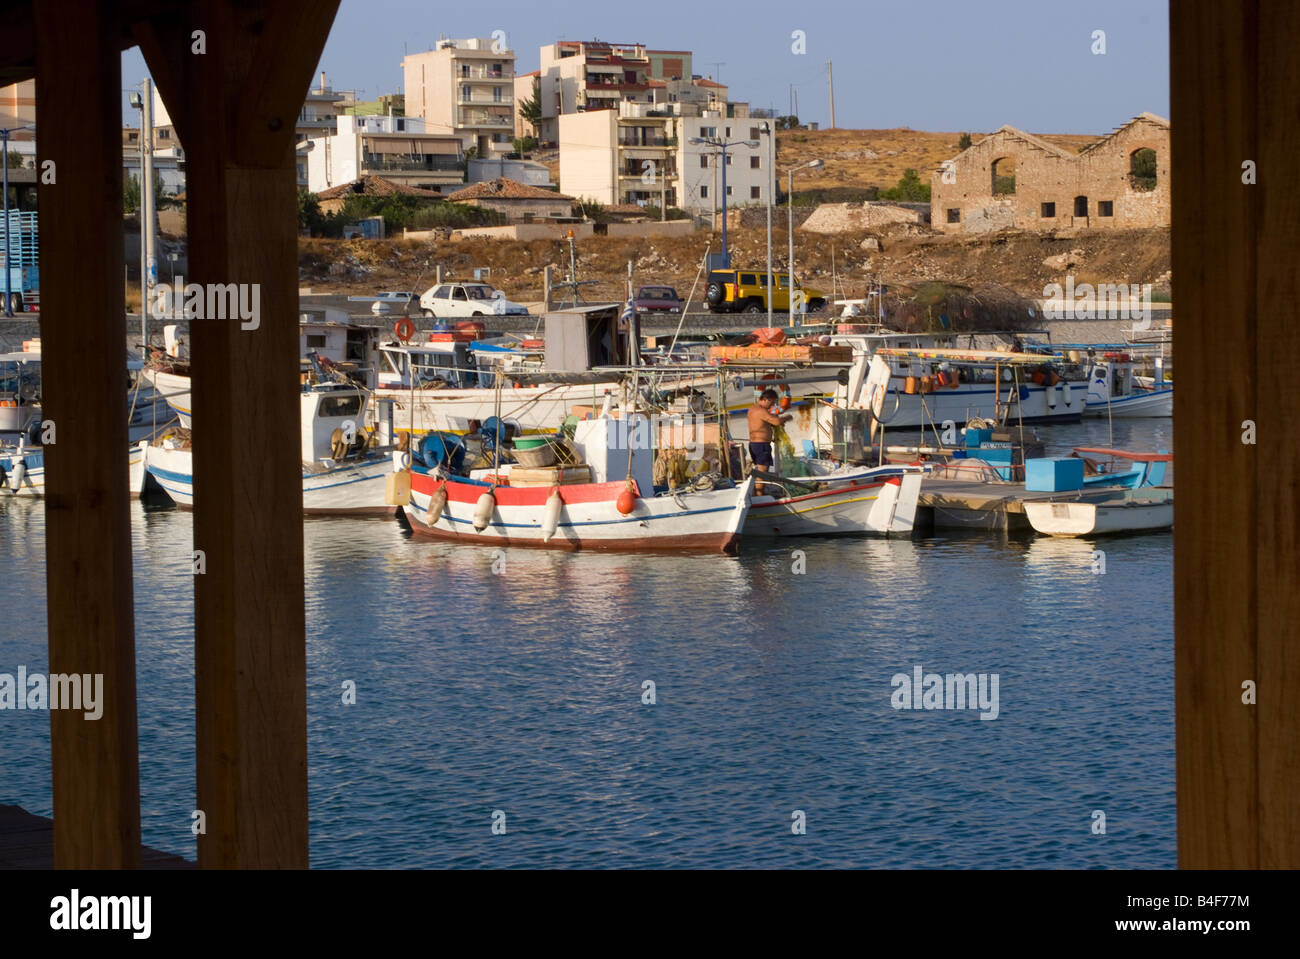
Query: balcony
point(630, 143)
point(380, 162)
point(468, 119)
point(483, 73)
point(484, 102)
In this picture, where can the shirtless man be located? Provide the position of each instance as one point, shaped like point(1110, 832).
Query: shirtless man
point(761, 421)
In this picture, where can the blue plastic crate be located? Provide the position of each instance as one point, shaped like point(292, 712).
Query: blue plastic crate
point(1053, 474)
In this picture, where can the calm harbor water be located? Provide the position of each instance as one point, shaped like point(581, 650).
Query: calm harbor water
point(520, 691)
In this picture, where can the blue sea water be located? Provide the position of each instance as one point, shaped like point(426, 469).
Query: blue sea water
point(519, 693)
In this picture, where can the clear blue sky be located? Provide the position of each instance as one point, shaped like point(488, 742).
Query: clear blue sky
point(949, 65)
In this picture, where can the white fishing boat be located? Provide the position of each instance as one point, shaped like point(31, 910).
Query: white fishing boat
point(880, 500)
point(1114, 390)
point(1100, 513)
point(341, 473)
point(607, 502)
point(928, 379)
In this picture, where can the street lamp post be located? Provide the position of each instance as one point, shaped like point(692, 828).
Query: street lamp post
point(722, 146)
point(789, 219)
point(767, 131)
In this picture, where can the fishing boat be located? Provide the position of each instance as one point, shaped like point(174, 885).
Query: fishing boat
point(1114, 389)
point(603, 497)
point(342, 472)
point(1102, 513)
point(880, 500)
point(1123, 493)
point(931, 379)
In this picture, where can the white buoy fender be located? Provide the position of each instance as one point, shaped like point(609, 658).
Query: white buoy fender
point(551, 518)
point(483, 511)
point(1050, 393)
point(438, 503)
point(1065, 391)
point(16, 476)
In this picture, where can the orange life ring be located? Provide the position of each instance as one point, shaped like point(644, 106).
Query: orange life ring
point(404, 329)
point(784, 389)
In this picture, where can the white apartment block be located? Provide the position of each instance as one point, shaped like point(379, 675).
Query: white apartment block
point(581, 76)
point(465, 88)
point(399, 149)
point(641, 154)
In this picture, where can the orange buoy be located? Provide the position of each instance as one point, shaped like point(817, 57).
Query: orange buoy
point(404, 329)
point(626, 501)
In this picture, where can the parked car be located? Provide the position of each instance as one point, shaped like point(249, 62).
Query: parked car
point(657, 299)
point(394, 301)
point(468, 299)
point(735, 291)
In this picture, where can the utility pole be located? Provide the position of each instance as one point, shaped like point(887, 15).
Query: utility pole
point(830, 78)
point(148, 278)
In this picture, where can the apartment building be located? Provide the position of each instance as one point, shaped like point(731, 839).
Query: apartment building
point(465, 88)
point(400, 149)
point(579, 76)
point(642, 153)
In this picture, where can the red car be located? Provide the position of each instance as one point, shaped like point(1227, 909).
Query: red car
point(657, 299)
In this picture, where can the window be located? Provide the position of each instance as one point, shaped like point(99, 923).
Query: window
point(748, 279)
point(1105, 207)
point(728, 191)
point(704, 161)
point(753, 163)
point(704, 193)
point(954, 216)
point(459, 293)
point(496, 94)
point(728, 131)
point(1048, 211)
point(339, 406)
point(1142, 170)
point(1080, 206)
point(401, 126)
point(315, 341)
point(464, 94)
point(753, 133)
point(442, 293)
point(729, 159)
point(754, 193)
point(1004, 176)
point(164, 134)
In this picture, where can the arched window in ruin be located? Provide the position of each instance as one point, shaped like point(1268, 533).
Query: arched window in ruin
point(1142, 169)
point(1080, 206)
point(1004, 176)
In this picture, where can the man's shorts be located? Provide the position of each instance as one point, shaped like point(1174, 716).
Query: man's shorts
point(761, 454)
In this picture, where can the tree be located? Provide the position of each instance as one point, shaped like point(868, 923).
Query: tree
point(131, 194)
point(15, 160)
point(910, 189)
point(787, 123)
point(963, 142)
point(525, 145)
point(530, 110)
point(310, 217)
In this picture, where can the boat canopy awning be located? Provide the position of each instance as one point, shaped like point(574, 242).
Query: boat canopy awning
point(966, 356)
point(1121, 454)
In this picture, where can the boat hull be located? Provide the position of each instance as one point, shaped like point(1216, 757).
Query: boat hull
point(1153, 403)
point(357, 488)
point(1108, 517)
point(590, 520)
point(882, 506)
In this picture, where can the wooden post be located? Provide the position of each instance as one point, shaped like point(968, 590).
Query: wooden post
point(1235, 551)
point(87, 525)
point(236, 106)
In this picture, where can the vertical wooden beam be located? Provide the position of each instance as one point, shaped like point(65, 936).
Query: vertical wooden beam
point(1235, 252)
point(83, 325)
point(1277, 413)
point(239, 102)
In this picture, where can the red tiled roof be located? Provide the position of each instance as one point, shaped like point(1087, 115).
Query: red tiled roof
point(375, 186)
point(503, 188)
point(701, 82)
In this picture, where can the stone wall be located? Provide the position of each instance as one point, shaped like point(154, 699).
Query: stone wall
point(1054, 189)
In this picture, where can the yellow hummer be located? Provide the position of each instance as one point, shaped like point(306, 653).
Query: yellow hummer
point(736, 291)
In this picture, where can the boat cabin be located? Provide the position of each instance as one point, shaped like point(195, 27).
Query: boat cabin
point(327, 408)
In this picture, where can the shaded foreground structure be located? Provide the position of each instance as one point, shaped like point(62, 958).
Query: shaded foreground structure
point(234, 106)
